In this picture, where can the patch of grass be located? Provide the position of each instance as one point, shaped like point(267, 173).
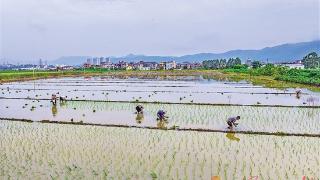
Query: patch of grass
point(153, 175)
point(292, 79)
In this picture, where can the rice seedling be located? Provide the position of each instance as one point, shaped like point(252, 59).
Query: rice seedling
point(153, 175)
point(269, 119)
point(162, 92)
point(28, 151)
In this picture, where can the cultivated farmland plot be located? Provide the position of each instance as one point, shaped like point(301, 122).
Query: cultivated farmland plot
point(52, 151)
point(80, 151)
point(171, 91)
point(257, 119)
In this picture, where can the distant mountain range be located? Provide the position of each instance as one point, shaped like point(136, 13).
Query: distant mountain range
point(280, 53)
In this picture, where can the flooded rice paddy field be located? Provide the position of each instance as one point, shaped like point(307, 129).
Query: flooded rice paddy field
point(257, 119)
point(55, 151)
point(70, 151)
point(194, 90)
point(191, 102)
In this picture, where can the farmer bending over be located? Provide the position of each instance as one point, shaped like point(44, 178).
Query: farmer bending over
point(139, 109)
point(232, 121)
point(161, 115)
point(63, 98)
point(298, 93)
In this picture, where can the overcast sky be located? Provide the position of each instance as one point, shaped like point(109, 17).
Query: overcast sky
point(48, 29)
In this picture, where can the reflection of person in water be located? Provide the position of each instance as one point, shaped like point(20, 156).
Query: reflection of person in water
point(63, 104)
point(139, 118)
point(162, 124)
point(232, 137)
point(54, 110)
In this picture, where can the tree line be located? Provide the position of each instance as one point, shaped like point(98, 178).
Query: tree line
point(309, 75)
point(221, 63)
point(310, 61)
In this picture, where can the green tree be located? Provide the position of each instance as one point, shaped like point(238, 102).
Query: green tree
point(222, 63)
point(256, 64)
point(311, 61)
point(230, 62)
point(237, 61)
point(233, 62)
point(268, 70)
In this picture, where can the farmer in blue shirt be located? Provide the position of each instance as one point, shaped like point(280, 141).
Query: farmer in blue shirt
point(161, 115)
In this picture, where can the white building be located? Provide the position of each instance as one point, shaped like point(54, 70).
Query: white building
point(294, 66)
point(145, 68)
point(170, 65)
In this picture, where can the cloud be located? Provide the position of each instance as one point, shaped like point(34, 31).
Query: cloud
point(167, 27)
point(40, 28)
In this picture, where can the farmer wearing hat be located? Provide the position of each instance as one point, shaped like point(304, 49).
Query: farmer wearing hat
point(139, 109)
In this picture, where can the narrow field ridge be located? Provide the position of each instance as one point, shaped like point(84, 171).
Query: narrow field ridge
point(184, 103)
point(173, 128)
point(195, 92)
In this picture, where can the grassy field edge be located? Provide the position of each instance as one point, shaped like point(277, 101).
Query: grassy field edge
point(267, 81)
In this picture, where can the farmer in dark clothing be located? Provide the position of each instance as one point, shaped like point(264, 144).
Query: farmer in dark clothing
point(54, 99)
point(139, 109)
point(62, 99)
point(232, 121)
point(298, 93)
point(161, 115)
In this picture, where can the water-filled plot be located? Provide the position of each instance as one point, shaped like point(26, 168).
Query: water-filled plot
point(190, 102)
point(195, 91)
point(78, 148)
point(257, 119)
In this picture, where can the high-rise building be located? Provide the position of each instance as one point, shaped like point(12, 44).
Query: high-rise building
point(249, 62)
point(40, 63)
point(94, 61)
point(108, 60)
point(89, 61)
point(101, 61)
